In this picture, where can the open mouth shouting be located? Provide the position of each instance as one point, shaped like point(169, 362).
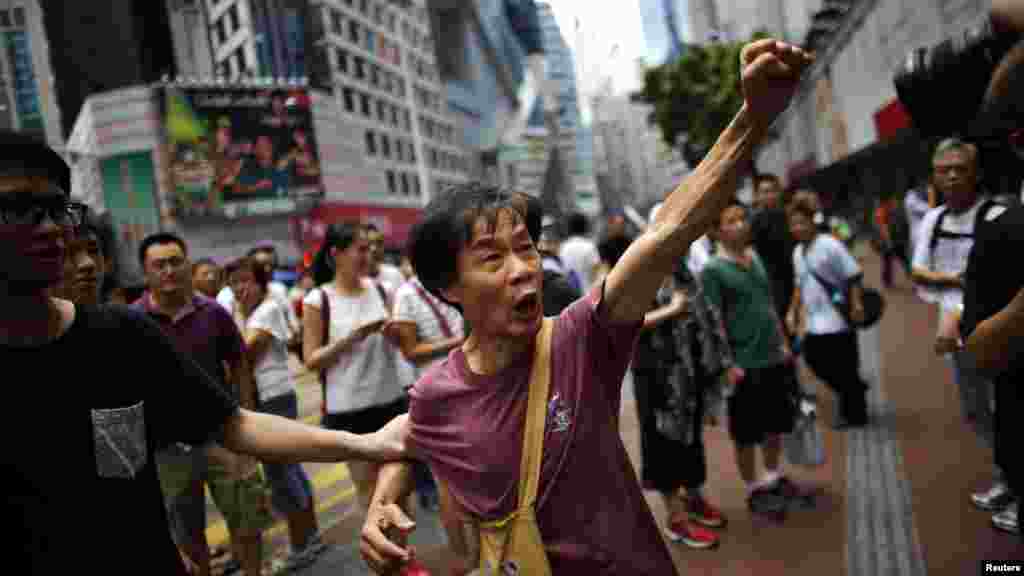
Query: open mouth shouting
point(528, 306)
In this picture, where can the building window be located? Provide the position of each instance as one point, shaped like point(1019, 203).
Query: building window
point(337, 23)
point(385, 146)
point(366, 105)
point(371, 144)
point(364, 7)
point(394, 116)
point(399, 150)
point(232, 16)
point(412, 154)
point(400, 88)
point(378, 14)
point(342, 60)
point(407, 120)
point(5, 19)
point(375, 76)
point(353, 32)
point(360, 68)
point(382, 111)
point(222, 35)
point(243, 63)
point(350, 102)
point(405, 183)
point(391, 182)
point(416, 186)
point(19, 17)
point(392, 20)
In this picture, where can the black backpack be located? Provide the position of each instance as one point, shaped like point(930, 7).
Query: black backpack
point(979, 220)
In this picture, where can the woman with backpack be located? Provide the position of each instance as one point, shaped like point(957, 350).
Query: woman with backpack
point(828, 341)
point(348, 337)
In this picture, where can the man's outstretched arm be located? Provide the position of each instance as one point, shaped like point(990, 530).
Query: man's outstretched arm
point(276, 439)
point(383, 535)
point(771, 72)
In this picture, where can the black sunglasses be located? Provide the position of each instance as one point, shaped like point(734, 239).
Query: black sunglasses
point(32, 212)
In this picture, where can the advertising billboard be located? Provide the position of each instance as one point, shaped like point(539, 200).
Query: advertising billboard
point(237, 152)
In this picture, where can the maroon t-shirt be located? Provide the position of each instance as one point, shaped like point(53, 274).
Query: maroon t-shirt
point(592, 515)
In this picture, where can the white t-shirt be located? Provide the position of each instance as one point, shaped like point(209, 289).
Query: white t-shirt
point(368, 374)
point(272, 375)
point(390, 278)
point(580, 255)
point(830, 259)
point(699, 254)
point(950, 254)
point(276, 290)
point(411, 307)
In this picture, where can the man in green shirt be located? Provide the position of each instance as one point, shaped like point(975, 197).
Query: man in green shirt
point(760, 390)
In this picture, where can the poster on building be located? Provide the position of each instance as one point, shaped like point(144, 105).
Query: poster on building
point(240, 152)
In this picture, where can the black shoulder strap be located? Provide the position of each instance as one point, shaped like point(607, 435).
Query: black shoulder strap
point(979, 220)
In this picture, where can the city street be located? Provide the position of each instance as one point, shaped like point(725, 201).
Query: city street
point(892, 498)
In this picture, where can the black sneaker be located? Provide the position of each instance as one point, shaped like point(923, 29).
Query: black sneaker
point(768, 502)
point(793, 492)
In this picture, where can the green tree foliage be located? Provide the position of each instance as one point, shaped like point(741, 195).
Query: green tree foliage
point(696, 96)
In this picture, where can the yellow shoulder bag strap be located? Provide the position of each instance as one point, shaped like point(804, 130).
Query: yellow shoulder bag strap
point(513, 545)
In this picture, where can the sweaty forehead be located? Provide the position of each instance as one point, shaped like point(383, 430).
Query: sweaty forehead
point(506, 222)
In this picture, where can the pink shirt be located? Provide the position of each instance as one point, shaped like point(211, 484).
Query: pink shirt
point(592, 514)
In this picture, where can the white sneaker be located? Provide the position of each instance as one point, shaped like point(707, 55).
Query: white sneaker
point(1007, 519)
point(996, 498)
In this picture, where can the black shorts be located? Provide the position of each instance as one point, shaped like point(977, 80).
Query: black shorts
point(762, 405)
point(366, 420)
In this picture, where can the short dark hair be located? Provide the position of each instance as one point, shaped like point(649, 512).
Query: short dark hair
point(801, 204)
point(259, 274)
point(25, 154)
point(263, 249)
point(159, 239)
point(767, 177)
point(578, 224)
point(447, 226)
point(716, 221)
point(339, 236)
point(203, 262)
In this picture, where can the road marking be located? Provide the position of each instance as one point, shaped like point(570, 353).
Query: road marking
point(217, 532)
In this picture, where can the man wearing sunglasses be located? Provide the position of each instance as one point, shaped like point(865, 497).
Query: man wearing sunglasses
point(81, 487)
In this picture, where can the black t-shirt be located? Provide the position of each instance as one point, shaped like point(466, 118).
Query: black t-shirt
point(558, 293)
point(86, 414)
point(992, 281)
point(774, 244)
point(611, 249)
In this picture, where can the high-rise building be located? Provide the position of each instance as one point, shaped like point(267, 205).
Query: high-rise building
point(481, 48)
point(664, 23)
point(534, 165)
point(259, 38)
point(379, 59)
point(27, 100)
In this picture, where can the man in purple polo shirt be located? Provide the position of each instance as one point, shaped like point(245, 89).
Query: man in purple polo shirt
point(475, 248)
point(202, 330)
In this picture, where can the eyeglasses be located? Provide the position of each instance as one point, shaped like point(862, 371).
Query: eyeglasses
point(61, 212)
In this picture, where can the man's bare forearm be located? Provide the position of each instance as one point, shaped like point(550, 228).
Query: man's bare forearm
point(685, 217)
point(997, 339)
point(394, 483)
point(276, 439)
point(690, 208)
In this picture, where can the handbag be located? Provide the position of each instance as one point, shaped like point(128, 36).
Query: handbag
point(839, 296)
point(513, 545)
point(804, 446)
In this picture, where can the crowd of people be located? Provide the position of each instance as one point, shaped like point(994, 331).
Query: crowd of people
point(483, 371)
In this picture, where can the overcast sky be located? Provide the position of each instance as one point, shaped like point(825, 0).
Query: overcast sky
point(603, 25)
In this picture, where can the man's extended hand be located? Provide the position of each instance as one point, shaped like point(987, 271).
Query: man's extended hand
point(771, 71)
point(383, 555)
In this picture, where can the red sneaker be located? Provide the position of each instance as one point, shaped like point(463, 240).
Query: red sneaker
point(703, 513)
point(682, 530)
